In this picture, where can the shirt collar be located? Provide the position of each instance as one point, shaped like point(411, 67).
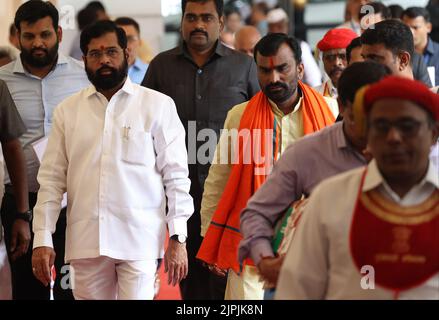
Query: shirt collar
point(220, 50)
point(429, 49)
point(374, 178)
point(127, 87)
point(138, 64)
point(332, 88)
point(340, 137)
point(19, 68)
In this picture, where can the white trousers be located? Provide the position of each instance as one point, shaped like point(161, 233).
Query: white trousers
point(5, 271)
point(104, 278)
point(246, 286)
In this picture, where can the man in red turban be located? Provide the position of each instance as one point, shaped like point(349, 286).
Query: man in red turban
point(372, 233)
point(333, 49)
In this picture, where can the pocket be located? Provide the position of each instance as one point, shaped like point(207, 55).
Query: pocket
point(138, 148)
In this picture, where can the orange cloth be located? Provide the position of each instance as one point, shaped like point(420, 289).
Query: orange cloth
point(220, 245)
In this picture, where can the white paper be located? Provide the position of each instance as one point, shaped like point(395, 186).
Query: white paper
point(432, 73)
point(39, 148)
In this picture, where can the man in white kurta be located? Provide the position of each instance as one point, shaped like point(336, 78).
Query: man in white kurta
point(373, 233)
point(118, 149)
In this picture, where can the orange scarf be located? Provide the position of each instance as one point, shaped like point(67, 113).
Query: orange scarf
point(220, 244)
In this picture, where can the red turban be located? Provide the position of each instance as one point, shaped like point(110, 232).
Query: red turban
point(405, 89)
point(338, 38)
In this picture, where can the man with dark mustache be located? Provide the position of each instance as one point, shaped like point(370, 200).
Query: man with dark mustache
point(205, 79)
point(333, 52)
point(291, 110)
point(38, 81)
point(118, 151)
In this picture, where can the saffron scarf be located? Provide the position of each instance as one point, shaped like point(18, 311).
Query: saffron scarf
point(220, 244)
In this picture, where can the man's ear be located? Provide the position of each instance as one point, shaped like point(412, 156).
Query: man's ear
point(429, 27)
point(300, 71)
point(59, 34)
point(221, 22)
point(404, 60)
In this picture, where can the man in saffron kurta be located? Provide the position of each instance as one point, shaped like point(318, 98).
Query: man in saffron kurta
point(286, 109)
point(372, 233)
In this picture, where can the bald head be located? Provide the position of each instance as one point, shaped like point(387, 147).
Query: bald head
point(246, 39)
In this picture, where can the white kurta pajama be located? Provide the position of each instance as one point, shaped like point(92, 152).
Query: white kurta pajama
point(319, 264)
point(118, 162)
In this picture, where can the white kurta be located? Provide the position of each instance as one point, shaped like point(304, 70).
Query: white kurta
point(319, 264)
point(115, 160)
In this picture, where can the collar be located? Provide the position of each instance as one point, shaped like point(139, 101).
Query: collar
point(139, 64)
point(429, 49)
point(127, 87)
point(220, 50)
point(340, 137)
point(19, 68)
point(374, 178)
point(332, 89)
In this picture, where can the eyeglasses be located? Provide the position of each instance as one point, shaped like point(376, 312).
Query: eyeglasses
point(96, 55)
point(407, 128)
point(333, 57)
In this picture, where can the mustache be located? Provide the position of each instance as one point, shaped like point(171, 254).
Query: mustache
point(106, 68)
point(198, 31)
point(33, 50)
point(335, 70)
point(276, 85)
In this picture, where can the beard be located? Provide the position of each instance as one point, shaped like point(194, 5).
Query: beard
point(279, 92)
point(49, 57)
point(108, 81)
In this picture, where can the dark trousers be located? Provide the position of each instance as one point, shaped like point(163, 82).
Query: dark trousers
point(24, 284)
point(200, 284)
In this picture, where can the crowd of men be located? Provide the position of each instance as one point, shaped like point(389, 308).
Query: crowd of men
point(266, 177)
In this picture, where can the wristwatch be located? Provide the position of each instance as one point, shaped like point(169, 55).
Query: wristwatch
point(26, 216)
point(179, 237)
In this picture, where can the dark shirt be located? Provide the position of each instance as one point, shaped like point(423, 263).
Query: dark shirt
point(420, 71)
point(203, 95)
point(11, 125)
point(431, 57)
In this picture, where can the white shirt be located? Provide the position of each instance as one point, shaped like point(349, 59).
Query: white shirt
point(319, 265)
point(332, 90)
point(312, 75)
point(115, 177)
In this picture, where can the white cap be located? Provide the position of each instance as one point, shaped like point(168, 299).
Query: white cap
point(277, 15)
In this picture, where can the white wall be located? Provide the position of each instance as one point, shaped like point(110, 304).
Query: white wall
point(146, 12)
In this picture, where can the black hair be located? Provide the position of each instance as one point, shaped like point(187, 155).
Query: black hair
point(355, 43)
point(219, 4)
point(414, 12)
point(271, 43)
point(357, 75)
point(377, 7)
point(86, 17)
point(34, 10)
point(95, 5)
point(126, 21)
point(395, 11)
point(99, 29)
point(231, 10)
point(393, 34)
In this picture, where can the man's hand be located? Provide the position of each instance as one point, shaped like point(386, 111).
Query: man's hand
point(269, 269)
point(20, 238)
point(215, 269)
point(176, 262)
point(43, 259)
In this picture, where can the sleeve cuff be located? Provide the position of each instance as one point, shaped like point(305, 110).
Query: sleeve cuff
point(177, 226)
point(42, 239)
point(260, 248)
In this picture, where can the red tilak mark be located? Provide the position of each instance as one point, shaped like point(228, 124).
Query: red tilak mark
point(102, 47)
point(271, 63)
